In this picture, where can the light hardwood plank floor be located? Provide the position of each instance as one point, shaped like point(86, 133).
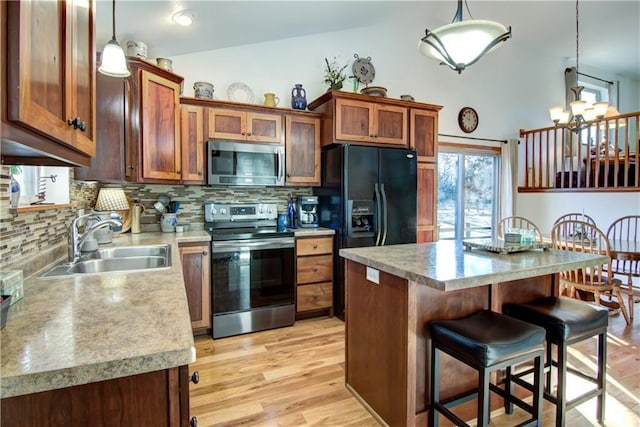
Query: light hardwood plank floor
point(295, 377)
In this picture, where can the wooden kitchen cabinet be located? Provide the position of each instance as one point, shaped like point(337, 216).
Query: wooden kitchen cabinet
point(424, 134)
point(360, 121)
point(314, 276)
point(423, 139)
point(139, 129)
point(196, 266)
point(49, 110)
point(192, 139)
point(242, 125)
point(159, 399)
point(302, 150)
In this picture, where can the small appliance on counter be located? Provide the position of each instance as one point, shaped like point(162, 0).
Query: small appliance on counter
point(308, 211)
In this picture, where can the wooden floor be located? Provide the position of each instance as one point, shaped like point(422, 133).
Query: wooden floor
point(295, 377)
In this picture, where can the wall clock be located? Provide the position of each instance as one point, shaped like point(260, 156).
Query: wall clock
point(468, 119)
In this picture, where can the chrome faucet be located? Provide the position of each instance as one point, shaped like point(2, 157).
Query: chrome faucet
point(76, 239)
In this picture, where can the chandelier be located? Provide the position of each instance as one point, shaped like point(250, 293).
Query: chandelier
point(581, 114)
point(462, 43)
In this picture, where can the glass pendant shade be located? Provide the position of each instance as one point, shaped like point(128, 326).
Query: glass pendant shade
point(113, 63)
point(461, 44)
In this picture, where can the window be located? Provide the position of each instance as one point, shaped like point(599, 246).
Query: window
point(43, 185)
point(468, 192)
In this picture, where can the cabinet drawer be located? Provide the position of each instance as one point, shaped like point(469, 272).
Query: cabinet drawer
point(314, 246)
point(313, 297)
point(313, 269)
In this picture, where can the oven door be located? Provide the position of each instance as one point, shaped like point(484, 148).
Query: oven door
point(251, 275)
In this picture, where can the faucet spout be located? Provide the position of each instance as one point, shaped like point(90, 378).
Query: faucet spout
point(76, 239)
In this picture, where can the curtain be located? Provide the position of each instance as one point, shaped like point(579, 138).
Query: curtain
point(509, 161)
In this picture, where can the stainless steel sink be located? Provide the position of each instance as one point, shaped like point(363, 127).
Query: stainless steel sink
point(124, 258)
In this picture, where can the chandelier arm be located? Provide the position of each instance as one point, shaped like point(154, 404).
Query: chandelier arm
point(501, 38)
point(448, 61)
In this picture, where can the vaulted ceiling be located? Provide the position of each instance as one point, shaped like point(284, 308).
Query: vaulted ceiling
point(609, 30)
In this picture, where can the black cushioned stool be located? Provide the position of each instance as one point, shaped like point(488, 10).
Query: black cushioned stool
point(486, 341)
point(567, 321)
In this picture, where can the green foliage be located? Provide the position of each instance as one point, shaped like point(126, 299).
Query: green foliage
point(14, 170)
point(333, 74)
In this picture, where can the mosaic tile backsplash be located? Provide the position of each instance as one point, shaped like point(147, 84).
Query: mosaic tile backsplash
point(31, 240)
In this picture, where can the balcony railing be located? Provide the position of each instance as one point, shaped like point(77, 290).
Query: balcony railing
point(603, 157)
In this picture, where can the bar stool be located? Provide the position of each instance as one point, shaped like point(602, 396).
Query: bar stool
point(567, 321)
point(486, 341)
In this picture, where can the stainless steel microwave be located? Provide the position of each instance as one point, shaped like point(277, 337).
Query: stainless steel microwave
point(248, 164)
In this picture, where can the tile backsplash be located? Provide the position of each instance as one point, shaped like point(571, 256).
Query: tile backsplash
point(31, 240)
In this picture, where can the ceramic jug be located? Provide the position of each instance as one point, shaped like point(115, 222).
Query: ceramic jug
point(271, 100)
point(203, 90)
point(298, 98)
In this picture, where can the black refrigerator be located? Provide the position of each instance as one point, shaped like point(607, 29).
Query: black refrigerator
point(369, 197)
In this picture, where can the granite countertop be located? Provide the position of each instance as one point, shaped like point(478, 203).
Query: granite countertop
point(447, 266)
point(310, 232)
point(79, 329)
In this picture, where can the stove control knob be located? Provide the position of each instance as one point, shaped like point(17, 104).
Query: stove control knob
point(223, 211)
point(213, 211)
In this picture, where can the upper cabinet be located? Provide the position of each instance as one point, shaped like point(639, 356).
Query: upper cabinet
point(50, 81)
point(302, 150)
point(424, 134)
point(139, 130)
point(370, 122)
point(193, 150)
point(242, 125)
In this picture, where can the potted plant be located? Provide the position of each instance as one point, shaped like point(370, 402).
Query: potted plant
point(333, 74)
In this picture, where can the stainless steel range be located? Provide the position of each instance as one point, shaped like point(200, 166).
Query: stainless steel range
point(252, 268)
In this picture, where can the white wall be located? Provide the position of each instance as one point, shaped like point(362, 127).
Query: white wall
point(511, 88)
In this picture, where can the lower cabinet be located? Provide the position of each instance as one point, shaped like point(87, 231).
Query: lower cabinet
point(314, 276)
point(159, 399)
point(196, 265)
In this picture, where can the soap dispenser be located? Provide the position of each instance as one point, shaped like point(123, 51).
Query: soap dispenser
point(136, 213)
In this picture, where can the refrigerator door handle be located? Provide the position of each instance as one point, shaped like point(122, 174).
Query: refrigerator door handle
point(384, 215)
point(378, 214)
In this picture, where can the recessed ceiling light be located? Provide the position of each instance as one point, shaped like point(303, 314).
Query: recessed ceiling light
point(183, 18)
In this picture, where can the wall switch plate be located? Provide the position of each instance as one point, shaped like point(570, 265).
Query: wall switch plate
point(373, 275)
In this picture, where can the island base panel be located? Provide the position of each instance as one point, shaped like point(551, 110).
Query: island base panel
point(150, 399)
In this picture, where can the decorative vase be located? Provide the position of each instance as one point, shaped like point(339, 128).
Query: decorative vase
point(298, 98)
point(14, 193)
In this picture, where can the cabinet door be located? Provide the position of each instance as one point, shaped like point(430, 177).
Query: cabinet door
point(160, 123)
point(195, 270)
point(354, 120)
point(264, 127)
point(227, 124)
point(390, 125)
point(41, 75)
point(192, 125)
point(302, 147)
point(424, 134)
point(427, 202)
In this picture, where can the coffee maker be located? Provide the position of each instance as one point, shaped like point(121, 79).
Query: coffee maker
point(307, 211)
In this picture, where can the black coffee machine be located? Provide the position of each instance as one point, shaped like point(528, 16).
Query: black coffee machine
point(307, 211)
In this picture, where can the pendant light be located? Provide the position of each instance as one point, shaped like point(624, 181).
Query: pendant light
point(581, 115)
point(462, 43)
point(113, 63)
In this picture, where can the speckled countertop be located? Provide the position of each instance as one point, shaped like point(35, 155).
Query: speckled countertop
point(447, 266)
point(311, 232)
point(85, 328)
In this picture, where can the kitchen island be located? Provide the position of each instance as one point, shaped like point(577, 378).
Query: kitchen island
point(105, 346)
point(393, 292)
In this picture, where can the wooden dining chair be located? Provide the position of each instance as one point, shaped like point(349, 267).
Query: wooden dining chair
point(626, 230)
point(575, 216)
point(519, 222)
point(597, 279)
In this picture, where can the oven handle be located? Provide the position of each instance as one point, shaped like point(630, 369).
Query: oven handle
point(252, 245)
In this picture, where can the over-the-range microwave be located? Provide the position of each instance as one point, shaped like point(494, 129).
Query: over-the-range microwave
point(242, 163)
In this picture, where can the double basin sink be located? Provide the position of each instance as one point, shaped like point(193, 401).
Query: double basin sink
point(119, 258)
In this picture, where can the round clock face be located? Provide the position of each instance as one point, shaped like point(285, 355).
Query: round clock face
point(468, 119)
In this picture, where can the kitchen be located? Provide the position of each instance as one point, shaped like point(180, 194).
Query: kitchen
point(27, 226)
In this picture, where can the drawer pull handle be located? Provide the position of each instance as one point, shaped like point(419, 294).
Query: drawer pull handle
point(315, 246)
point(195, 378)
point(315, 269)
point(193, 422)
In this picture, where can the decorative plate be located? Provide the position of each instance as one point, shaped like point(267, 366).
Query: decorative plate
point(240, 92)
point(363, 69)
